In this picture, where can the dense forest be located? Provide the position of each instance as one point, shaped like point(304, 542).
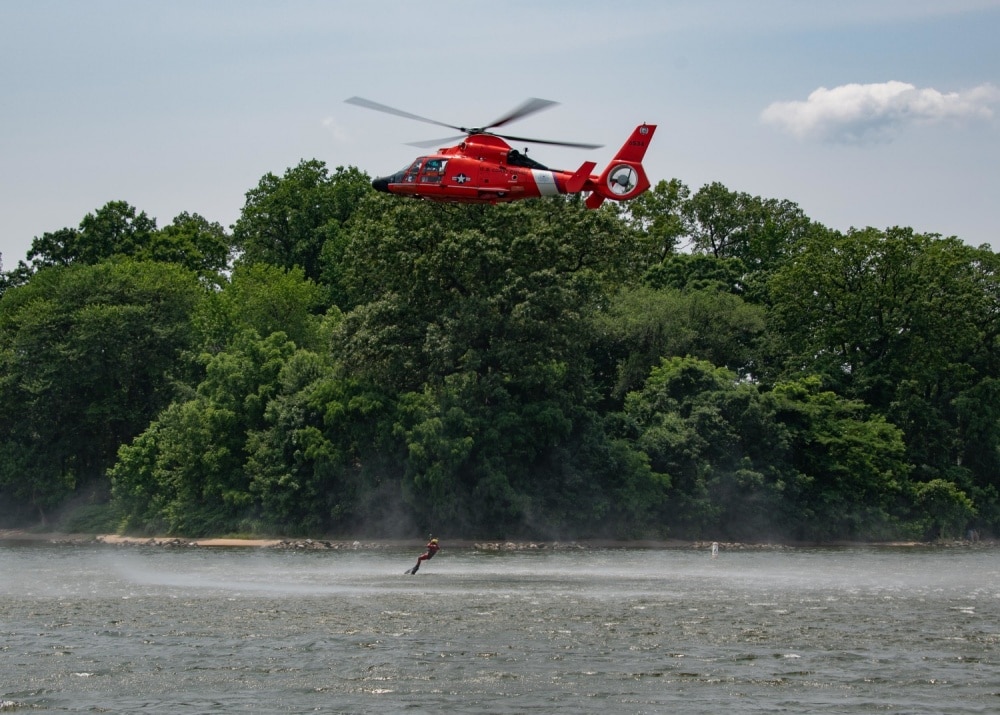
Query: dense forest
point(703, 364)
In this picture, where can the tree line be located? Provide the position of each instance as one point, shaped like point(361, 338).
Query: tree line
point(703, 364)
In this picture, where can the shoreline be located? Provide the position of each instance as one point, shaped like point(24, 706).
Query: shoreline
point(20, 535)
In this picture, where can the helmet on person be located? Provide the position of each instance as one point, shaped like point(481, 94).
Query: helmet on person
point(434, 541)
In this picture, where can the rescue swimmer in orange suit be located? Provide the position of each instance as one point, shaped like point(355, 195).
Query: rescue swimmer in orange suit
point(432, 548)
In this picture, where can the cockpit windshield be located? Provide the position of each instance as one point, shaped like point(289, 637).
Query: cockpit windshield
point(410, 172)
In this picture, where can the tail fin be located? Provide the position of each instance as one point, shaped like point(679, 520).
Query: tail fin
point(624, 178)
point(579, 179)
point(635, 148)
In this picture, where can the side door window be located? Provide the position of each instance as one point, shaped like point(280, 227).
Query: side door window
point(433, 171)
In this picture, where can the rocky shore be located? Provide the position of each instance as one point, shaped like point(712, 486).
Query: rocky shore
point(490, 546)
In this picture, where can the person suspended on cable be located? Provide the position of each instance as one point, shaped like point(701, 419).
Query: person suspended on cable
point(432, 548)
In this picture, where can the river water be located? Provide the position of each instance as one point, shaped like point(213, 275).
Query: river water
point(94, 628)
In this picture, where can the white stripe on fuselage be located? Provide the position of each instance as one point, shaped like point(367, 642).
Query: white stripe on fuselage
point(545, 181)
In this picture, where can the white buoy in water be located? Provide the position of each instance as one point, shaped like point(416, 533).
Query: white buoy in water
point(715, 549)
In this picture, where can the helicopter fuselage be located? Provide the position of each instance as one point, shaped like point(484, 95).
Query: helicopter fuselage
point(485, 169)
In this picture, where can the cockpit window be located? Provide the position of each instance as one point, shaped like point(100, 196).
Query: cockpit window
point(413, 170)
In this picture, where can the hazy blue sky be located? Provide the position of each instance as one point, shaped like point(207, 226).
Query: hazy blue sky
point(864, 112)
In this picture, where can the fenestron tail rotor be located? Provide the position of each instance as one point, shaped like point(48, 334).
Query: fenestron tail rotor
point(622, 179)
point(526, 108)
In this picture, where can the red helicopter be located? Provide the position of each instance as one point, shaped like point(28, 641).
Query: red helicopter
point(483, 168)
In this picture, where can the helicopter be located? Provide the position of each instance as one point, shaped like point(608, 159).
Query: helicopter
point(483, 168)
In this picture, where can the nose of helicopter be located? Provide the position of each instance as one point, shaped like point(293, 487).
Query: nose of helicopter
point(381, 184)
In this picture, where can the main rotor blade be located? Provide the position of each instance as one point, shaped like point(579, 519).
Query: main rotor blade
point(432, 143)
point(368, 104)
point(529, 106)
point(575, 145)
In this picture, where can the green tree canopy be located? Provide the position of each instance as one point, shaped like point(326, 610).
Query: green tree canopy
point(733, 224)
point(87, 358)
point(907, 323)
point(708, 365)
point(296, 219)
point(659, 219)
point(118, 229)
point(115, 229)
point(849, 466)
point(642, 325)
point(185, 473)
point(262, 299)
point(716, 441)
point(191, 241)
point(478, 323)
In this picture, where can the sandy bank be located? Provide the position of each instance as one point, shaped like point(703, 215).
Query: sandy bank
point(118, 540)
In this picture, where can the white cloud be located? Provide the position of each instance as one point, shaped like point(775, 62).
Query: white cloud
point(860, 113)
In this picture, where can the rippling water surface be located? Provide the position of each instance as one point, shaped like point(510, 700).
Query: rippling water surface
point(197, 630)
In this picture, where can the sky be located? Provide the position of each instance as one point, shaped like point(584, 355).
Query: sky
point(863, 112)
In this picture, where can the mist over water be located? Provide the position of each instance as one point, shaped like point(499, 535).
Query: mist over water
point(146, 629)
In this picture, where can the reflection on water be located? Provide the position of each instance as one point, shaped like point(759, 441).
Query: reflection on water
point(95, 628)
